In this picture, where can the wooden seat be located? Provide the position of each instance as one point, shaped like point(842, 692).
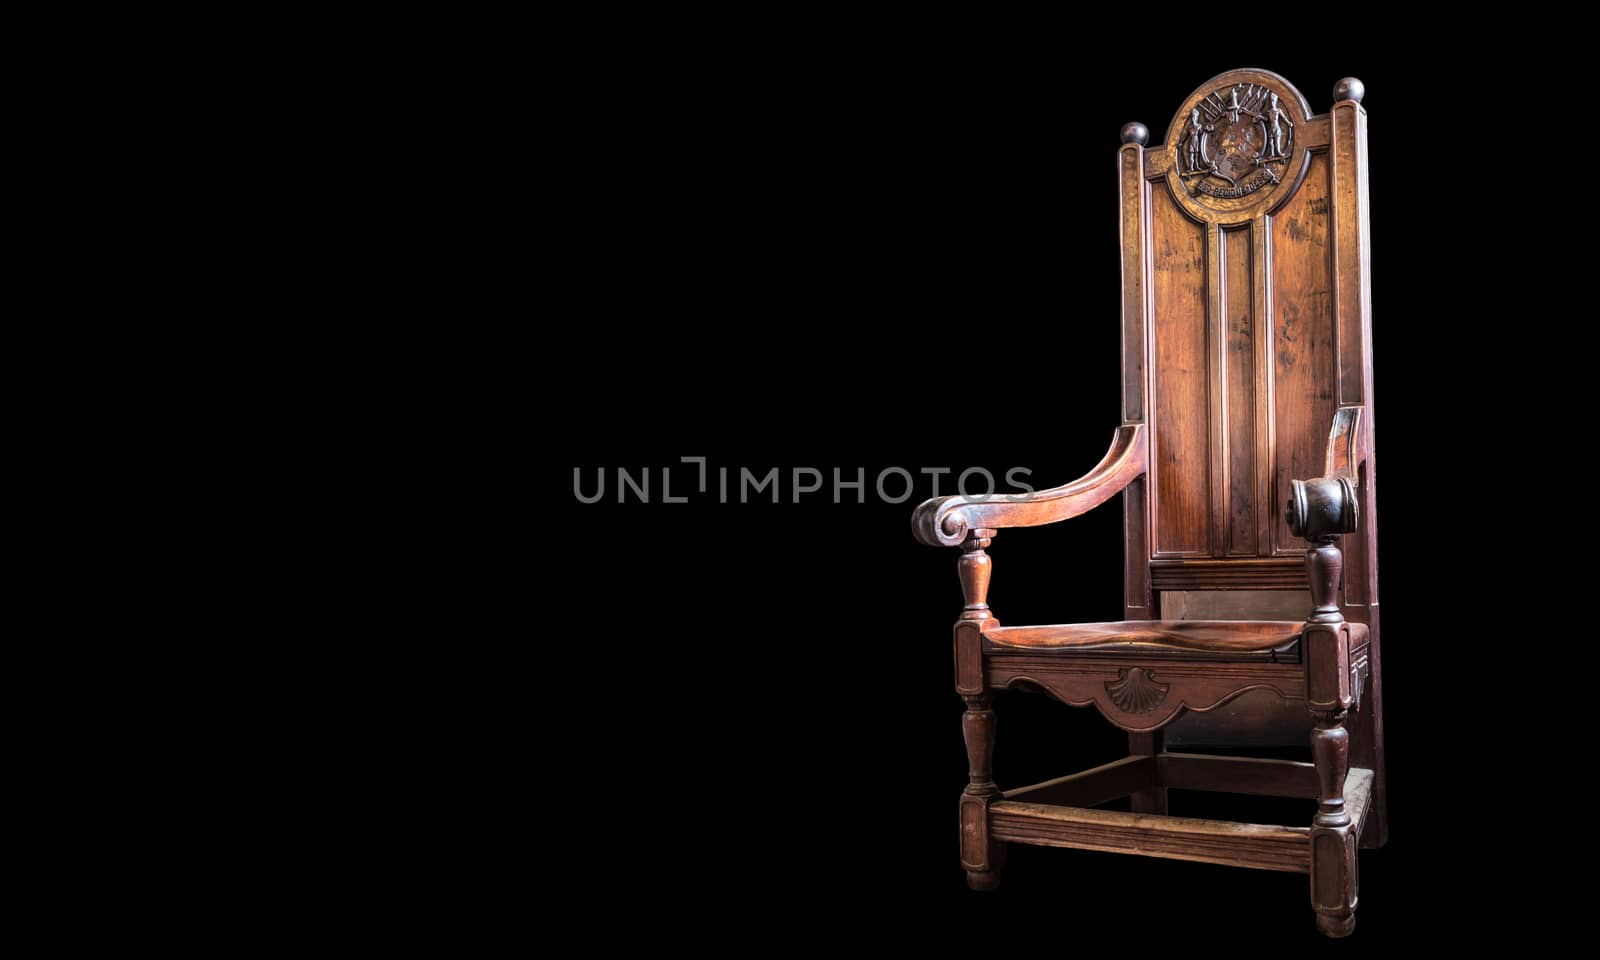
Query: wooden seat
point(1241, 639)
point(1246, 464)
point(1277, 641)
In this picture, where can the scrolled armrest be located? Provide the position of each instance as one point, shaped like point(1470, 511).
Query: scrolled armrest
point(945, 521)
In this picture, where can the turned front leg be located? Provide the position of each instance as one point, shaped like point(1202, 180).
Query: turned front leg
point(1333, 842)
point(978, 853)
point(980, 856)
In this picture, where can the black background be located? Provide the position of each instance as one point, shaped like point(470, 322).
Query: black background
point(863, 262)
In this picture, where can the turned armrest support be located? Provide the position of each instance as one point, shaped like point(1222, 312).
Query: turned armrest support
point(946, 521)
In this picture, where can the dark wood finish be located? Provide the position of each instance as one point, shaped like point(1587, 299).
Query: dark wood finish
point(1119, 778)
point(974, 569)
point(977, 725)
point(1258, 718)
point(1134, 291)
point(1152, 796)
point(1261, 846)
point(1251, 639)
point(1104, 681)
point(1237, 367)
point(1137, 585)
point(977, 848)
point(1361, 582)
point(947, 521)
point(969, 657)
point(1235, 604)
point(1133, 194)
point(1321, 511)
point(1247, 433)
point(1178, 387)
point(1177, 838)
point(1253, 574)
point(1347, 149)
point(1302, 370)
point(1270, 778)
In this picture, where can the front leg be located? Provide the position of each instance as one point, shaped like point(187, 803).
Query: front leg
point(1333, 843)
point(980, 856)
point(1321, 510)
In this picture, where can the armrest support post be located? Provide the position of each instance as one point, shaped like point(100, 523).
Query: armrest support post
point(975, 567)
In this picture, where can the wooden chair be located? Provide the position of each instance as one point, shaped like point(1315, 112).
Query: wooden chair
point(1246, 383)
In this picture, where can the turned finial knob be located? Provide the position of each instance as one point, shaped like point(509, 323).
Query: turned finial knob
point(1349, 89)
point(1135, 133)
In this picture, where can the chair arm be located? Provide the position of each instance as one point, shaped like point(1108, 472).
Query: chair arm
point(1322, 509)
point(945, 521)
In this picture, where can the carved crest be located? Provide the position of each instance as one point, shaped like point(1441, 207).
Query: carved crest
point(1136, 691)
point(1238, 139)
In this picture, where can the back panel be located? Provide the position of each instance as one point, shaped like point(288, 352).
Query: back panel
point(1242, 335)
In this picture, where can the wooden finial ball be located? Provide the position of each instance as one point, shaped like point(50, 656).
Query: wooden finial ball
point(1349, 89)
